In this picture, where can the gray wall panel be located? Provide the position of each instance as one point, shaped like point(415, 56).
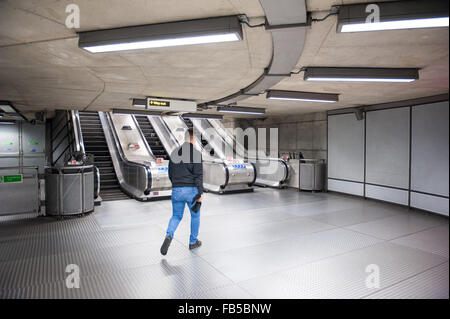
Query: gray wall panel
point(9, 140)
point(430, 203)
point(345, 147)
point(430, 149)
point(346, 187)
point(387, 150)
point(386, 194)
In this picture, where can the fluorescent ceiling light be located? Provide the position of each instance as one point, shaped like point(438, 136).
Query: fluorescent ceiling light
point(163, 43)
point(361, 74)
point(7, 122)
point(396, 25)
point(11, 112)
point(202, 116)
point(358, 80)
point(140, 103)
point(393, 15)
point(135, 112)
point(302, 96)
point(241, 110)
point(201, 31)
point(7, 108)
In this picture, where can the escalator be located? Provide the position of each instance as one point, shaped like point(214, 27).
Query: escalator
point(152, 138)
point(220, 174)
point(95, 143)
point(204, 142)
point(270, 171)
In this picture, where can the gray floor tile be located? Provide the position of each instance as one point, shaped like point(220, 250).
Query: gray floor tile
point(401, 225)
point(431, 284)
point(245, 220)
point(249, 262)
point(52, 268)
point(344, 276)
point(176, 279)
point(264, 233)
point(358, 215)
point(434, 240)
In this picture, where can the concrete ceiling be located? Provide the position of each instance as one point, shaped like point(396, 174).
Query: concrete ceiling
point(42, 68)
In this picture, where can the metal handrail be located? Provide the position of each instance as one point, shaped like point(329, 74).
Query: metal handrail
point(78, 134)
point(97, 189)
point(19, 167)
point(168, 130)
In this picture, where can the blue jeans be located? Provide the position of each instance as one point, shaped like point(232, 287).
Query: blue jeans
point(180, 197)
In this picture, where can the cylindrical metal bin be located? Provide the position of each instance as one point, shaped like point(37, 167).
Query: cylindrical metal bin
point(69, 190)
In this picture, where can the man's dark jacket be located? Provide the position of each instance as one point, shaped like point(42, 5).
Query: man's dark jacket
point(186, 168)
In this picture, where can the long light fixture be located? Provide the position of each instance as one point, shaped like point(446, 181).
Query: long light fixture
point(302, 96)
point(140, 103)
point(393, 15)
point(361, 74)
point(5, 122)
point(202, 116)
point(201, 31)
point(10, 112)
point(135, 112)
point(7, 107)
point(241, 110)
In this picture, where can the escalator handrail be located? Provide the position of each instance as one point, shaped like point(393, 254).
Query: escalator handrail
point(76, 123)
point(124, 159)
point(168, 132)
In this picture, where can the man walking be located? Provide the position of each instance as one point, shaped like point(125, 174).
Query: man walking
point(186, 175)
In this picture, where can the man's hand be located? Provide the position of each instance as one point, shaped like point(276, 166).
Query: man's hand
point(200, 199)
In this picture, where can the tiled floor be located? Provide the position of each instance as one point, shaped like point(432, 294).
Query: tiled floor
point(266, 244)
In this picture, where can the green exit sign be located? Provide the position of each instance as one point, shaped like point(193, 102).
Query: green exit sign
point(9, 179)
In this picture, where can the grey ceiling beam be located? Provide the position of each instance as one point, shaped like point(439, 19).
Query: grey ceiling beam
point(287, 21)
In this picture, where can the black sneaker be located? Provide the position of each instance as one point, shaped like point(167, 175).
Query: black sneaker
point(197, 244)
point(165, 245)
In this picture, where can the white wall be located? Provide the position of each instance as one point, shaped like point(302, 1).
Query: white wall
point(430, 157)
point(398, 155)
point(387, 155)
point(346, 154)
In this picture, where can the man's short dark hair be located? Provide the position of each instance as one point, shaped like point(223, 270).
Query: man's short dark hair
point(189, 134)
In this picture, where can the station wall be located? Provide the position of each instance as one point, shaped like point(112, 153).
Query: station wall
point(397, 155)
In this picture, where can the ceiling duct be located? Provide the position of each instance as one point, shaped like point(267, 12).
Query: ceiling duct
point(287, 21)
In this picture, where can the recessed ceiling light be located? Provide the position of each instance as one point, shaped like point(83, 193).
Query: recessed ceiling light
point(302, 96)
point(201, 31)
point(361, 74)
